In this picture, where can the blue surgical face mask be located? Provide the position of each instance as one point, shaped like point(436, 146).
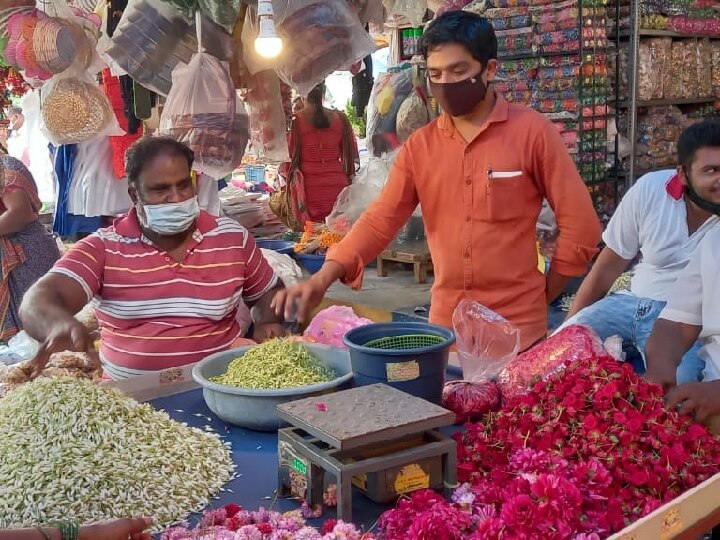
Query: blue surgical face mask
point(168, 219)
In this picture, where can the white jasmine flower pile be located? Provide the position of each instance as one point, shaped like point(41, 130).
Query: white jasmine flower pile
point(72, 449)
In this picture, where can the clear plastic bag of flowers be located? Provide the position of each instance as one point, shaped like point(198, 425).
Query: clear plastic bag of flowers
point(571, 344)
point(486, 343)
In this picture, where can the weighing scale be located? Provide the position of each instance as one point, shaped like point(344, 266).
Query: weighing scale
point(381, 440)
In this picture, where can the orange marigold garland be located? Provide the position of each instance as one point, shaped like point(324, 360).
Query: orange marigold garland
point(317, 238)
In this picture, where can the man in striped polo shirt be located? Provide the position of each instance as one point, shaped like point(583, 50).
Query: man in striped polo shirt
point(167, 278)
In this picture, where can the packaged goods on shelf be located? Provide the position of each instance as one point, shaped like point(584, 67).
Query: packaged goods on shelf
point(703, 61)
point(556, 84)
point(689, 71)
point(521, 97)
point(652, 54)
point(619, 15)
point(539, 44)
point(511, 22)
point(512, 86)
point(520, 41)
point(715, 61)
point(688, 25)
point(658, 131)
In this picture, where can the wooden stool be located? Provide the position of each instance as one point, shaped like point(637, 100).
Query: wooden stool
point(416, 253)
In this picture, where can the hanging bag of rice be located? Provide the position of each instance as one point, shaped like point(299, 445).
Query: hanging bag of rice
point(201, 112)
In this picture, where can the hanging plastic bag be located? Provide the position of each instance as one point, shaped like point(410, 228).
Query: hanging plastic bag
point(326, 36)
point(221, 12)
point(451, 5)
point(201, 112)
point(389, 92)
point(414, 112)
point(152, 38)
point(571, 344)
point(320, 37)
point(368, 11)
point(331, 324)
point(412, 10)
point(267, 119)
point(357, 197)
point(75, 110)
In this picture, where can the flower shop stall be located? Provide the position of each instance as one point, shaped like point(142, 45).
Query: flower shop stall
point(560, 442)
point(579, 453)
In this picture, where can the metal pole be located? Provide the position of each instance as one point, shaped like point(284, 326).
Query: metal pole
point(632, 98)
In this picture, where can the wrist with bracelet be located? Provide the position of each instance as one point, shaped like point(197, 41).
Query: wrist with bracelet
point(69, 529)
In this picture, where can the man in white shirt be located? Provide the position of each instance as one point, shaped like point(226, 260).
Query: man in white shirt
point(662, 219)
point(692, 313)
point(17, 139)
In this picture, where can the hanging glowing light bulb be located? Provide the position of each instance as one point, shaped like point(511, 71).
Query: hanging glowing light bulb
point(267, 44)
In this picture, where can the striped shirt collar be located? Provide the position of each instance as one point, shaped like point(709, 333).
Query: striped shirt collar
point(129, 225)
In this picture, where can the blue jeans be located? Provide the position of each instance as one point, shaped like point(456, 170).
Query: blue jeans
point(632, 318)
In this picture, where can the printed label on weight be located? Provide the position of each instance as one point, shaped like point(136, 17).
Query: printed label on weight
point(411, 478)
point(405, 371)
point(360, 481)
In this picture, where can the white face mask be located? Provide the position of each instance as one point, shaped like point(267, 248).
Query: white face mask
point(169, 219)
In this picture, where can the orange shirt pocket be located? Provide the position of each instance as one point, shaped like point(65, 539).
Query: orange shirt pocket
point(509, 195)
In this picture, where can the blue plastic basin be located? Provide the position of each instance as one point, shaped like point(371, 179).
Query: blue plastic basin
point(416, 367)
point(312, 263)
point(281, 246)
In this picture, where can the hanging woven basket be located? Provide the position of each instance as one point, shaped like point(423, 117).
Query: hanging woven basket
point(75, 111)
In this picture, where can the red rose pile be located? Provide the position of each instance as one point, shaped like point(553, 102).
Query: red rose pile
point(584, 453)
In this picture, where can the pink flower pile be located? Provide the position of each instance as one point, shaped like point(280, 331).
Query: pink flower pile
point(583, 454)
point(232, 522)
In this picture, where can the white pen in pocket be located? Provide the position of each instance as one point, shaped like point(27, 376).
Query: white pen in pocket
point(499, 175)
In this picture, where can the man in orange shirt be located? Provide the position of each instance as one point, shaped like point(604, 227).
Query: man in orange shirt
point(480, 172)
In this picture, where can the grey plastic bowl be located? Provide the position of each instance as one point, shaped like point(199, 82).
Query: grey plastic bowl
point(257, 409)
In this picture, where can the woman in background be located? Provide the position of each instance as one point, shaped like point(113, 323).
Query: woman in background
point(325, 151)
point(27, 249)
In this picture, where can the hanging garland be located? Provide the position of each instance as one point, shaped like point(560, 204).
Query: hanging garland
point(12, 85)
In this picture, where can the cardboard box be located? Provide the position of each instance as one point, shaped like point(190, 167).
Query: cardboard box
point(688, 517)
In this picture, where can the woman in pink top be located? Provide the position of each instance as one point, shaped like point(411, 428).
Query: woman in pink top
point(328, 154)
